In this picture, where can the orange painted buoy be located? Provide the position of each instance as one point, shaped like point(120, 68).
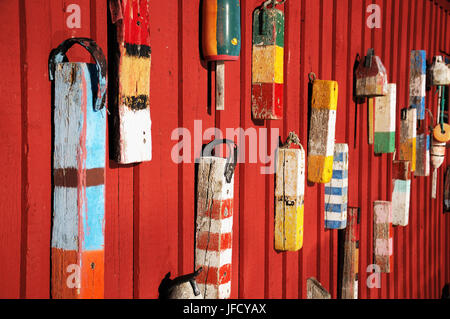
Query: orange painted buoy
point(442, 136)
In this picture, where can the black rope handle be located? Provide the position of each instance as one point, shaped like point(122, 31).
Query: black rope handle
point(58, 55)
point(231, 160)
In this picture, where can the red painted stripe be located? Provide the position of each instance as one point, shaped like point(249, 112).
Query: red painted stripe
point(136, 22)
point(215, 276)
point(267, 100)
point(221, 209)
point(213, 241)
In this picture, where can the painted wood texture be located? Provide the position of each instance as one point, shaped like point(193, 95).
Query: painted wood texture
point(350, 255)
point(437, 154)
point(382, 235)
point(417, 81)
point(150, 228)
point(131, 82)
point(408, 133)
point(289, 198)
point(422, 152)
point(385, 121)
point(322, 131)
point(336, 191)
point(221, 29)
point(79, 185)
point(371, 78)
point(267, 64)
point(214, 225)
point(316, 290)
point(401, 180)
point(439, 72)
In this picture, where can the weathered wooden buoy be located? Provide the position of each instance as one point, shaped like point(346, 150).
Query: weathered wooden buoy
point(382, 235)
point(408, 122)
point(213, 247)
point(336, 191)
point(371, 77)
point(130, 87)
point(439, 72)
point(314, 290)
point(267, 62)
point(401, 193)
point(289, 196)
point(350, 249)
point(422, 152)
point(77, 253)
point(385, 120)
point(322, 130)
point(221, 39)
point(437, 158)
point(417, 81)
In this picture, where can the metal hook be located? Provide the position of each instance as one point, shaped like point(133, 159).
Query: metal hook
point(273, 2)
point(312, 77)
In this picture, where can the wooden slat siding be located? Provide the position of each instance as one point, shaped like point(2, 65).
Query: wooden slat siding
point(267, 64)
point(417, 81)
point(289, 198)
point(382, 239)
point(132, 123)
point(408, 137)
point(326, 47)
point(422, 151)
point(316, 290)
point(336, 191)
point(155, 264)
point(214, 224)
point(385, 113)
point(192, 101)
point(13, 91)
point(350, 256)
point(322, 131)
point(291, 269)
point(79, 195)
point(401, 180)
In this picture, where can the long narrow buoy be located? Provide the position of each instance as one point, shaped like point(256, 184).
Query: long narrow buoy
point(401, 193)
point(289, 197)
point(382, 235)
point(322, 130)
point(130, 85)
point(350, 255)
point(77, 253)
point(267, 62)
point(336, 191)
point(385, 121)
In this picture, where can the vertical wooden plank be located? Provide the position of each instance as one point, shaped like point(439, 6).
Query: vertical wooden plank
point(321, 135)
point(37, 142)
point(385, 109)
point(401, 179)
point(289, 198)
point(350, 256)
point(252, 186)
point(309, 63)
point(78, 176)
point(382, 239)
point(214, 228)
point(132, 140)
point(336, 191)
point(158, 243)
point(12, 98)
point(291, 121)
point(267, 63)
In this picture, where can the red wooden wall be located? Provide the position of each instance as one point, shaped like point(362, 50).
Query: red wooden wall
point(150, 207)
